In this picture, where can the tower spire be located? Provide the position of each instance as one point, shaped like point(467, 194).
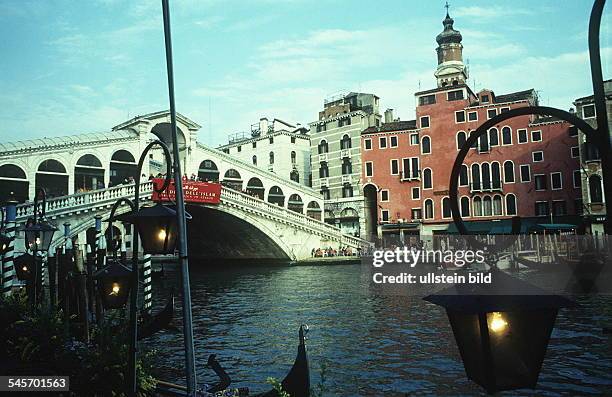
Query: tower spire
point(451, 70)
point(447, 6)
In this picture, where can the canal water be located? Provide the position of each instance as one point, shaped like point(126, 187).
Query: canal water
point(360, 343)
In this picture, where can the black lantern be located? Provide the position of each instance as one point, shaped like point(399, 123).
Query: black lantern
point(113, 284)
point(4, 243)
point(24, 266)
point(157, 228)
point(501, 328)
point(38, 234)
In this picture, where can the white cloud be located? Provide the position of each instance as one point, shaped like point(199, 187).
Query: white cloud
point(490, 12)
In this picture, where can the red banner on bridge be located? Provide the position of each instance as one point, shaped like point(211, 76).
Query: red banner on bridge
point(193, 191)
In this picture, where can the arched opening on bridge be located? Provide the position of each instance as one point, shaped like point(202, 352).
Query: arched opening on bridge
point(371, 211)
point(216, 234)
point(313, 210)
point(113, 243)
point(295, 203)
point(232, 179)
point(52, 177)
point(13, 182)
point(208, 171)
point(349, 221)
point(88, 174)
point(122, 167)
point(276, 196)
point(255, 188)
point(163, 131)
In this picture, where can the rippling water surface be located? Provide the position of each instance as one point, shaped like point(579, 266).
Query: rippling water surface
point(361, 343)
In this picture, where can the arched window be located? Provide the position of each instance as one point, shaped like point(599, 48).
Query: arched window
point(426, 145)
point(508, 171)
point(446, 210)
point(427, 179)
point(255, 188)
point(271, 157)
point(475, 177)
point(347, 190)
point(52, 177)
point(483, 143)
point(477, 206)
point(465, 206)
point(487, 209)
point(461, 138)
point(463, 175)
point(493, 137)
point(13, 183)
point(88, 173)
point(122, 167)
point(496, 175)
point(595, 189)
point(323, 147)
point(485, 171)
point(347, 167)
point(276, 196)
point(293, 157)
point(497, 205)
point(52, 166)
point(254, 160)
point(323, 171)
point(123, 156)
point(429, 210)
point(510, 204)
point(345, 142)
point(208, 171)
point(506, 136)
point(295, 203)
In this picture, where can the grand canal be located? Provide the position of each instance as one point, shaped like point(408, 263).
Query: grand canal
point(360, 343)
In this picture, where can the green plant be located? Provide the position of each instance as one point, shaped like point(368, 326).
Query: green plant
point(278, 387)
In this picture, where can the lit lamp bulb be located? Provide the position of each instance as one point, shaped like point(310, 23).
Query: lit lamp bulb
point(25, 268)
point(497, 323)
point(115, 289)
point(162, 234)
point(37, 241)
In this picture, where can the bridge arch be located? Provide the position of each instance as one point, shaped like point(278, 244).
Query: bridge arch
point(13, 180)
point(232, 179)
point(208, 171)
point(313, 210)
point(163, 131)
point(122, 166)
point(276, 196)
point(295, 203)
point(256, 188)
point(51, 175)
point(88, 173)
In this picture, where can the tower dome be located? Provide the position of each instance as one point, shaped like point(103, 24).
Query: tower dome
point(451, 70)
point(449, 34)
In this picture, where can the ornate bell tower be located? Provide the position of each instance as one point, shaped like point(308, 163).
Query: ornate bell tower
point(451, 70)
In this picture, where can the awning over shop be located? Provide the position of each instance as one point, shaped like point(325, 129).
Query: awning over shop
point(398, 226)
point(553, 227)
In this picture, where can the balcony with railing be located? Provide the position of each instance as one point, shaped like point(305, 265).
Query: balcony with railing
point(322, 157)
point(407, 176)
point(345, 153)
point(347, 179)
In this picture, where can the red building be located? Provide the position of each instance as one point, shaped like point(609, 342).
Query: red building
point(526, 166)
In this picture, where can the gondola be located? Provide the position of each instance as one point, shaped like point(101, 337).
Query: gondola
point(150, 324)
point(296, 383)
point(534, 264)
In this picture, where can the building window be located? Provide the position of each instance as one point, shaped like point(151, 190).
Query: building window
point(292, 139)
point(347, 190)
point(525, 173)
point(321, 127)
point(465, 206)
point(347, 167)
point(294, 176)
point(556, 181)
point(323, 148)
point(410, 167)
point(454, 95)
point(367, 143)
point(506, 136)
point(446, 209)
point(427, 100)
point(382, 142)
point(427, 179)
point(239, 148)
point(429, 209)
point(271, 139)
point(463, 175)
point(537, 156)
point(416, 213)
point(460, 116)
point(536, 136)
point(293, 157)
point(504, 110)
point(461, 139)
point(496, 175)
point(485, 172)
point(575, 152)
point(472, 116)
point(510, 204)
point(559, 208)
point(508, 171)
point(497, 205)
point(491, 113)
point(393, 141)
point(577, 179)
point(384, 215)
point(414, 139)
point(487, 208)
point(477, 206)
point(424, 121)
point(484, 99)
point(384, 195)
point(325, 193)
point(475, 177)
point(323, 171)
point(426, 145)
point(416, 193)
point(522, 135)
point(394, 167)
point(254, 160)
point(345, 142)
point(578, 206)
point(254, 144)
point(540, 182)
point(271, 157)
point(541, 208)
point(369, 169)
point(595, 189)
point(493, 137)
point(588, 111)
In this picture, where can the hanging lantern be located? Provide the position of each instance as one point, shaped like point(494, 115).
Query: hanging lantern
point(24, 266)
point(113, 284)
point(5, 240)
point(157, 228)
point(501, 329)
point(38, 235)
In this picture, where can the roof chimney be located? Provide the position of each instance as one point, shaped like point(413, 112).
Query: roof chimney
point(263, 125)
point(388, 115)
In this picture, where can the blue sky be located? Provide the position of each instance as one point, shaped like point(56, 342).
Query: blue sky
point(74, 67)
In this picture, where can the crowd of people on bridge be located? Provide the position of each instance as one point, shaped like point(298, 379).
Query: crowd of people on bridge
point(331, 252)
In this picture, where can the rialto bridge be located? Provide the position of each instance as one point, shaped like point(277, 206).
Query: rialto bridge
point(261, 215)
